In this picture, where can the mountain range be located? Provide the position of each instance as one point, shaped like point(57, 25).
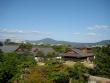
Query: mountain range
point(76, 44)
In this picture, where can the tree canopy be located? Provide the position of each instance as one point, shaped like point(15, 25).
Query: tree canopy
point(102, 61)
point(12, 65)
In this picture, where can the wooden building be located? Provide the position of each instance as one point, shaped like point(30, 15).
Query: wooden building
point(78, 54)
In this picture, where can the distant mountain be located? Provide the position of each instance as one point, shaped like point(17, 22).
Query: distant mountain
point(48, 41)
point(44, 41)
point(104, 42)
point(52, 41)
point(75, 44)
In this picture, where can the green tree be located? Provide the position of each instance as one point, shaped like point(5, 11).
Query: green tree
point(26, 47)
point(60, 48)
point(40, 54)
point(7, 41)
point(1, 56)
point(102, 60)
point(51, 55)
point(59, 77)
point(56, 73)
point(1, 43)
point(77, 73)
point(12, 65)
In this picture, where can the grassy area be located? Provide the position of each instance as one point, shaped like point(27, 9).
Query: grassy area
point(41, 63)
point(71, 63)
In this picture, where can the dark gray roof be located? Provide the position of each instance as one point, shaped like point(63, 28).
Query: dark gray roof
point(45, 50)
point(71, 55)
point(9, 48)
point(79, 54)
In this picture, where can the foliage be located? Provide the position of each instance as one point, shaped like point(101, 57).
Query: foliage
point(56, 72)
point(53, 72)
point(102, 61)
point(1, 56)
point(1, 43)
point(60, 48)
point(51, 55)
point(7, 41)
point(77, 73)
point(40, 54)
point(62, 74)
point(38, 75)
point(53, 65)
point(11, 66)
point(59, 77)
point(27, 46)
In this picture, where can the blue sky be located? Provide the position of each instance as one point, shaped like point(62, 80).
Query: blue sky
point(69, 20)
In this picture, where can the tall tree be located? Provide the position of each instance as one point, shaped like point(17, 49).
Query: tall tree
point(1, 43)
point(77, 73)
point(12, 65)
point(102, 61)
point(7, 41)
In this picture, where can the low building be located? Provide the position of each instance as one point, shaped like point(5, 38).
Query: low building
point(44, 50)
point(9, 48)
point(78, 53)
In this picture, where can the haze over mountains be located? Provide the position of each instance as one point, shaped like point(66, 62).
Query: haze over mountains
point(52, 41)
point(75, 44)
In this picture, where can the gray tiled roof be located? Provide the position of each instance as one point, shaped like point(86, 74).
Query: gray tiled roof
point(78, 54)
point(9, 48)
point(72, 55)
point(45, 50)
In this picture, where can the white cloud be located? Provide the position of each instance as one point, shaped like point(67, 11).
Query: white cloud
point(39, 33)
point(20, 31)
point(7, 31)
point(10, 31)
point(76, 33)
point(91, 34)
point(14, 34)
point(10, 36)
point(99, 27)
